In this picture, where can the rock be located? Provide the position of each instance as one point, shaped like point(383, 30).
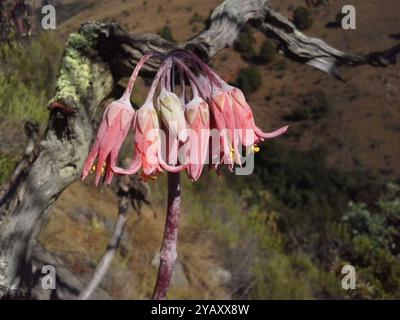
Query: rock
point(120, 282)
point(68, 285)
point(220, 275)
point(179, 278)
point(83, 215)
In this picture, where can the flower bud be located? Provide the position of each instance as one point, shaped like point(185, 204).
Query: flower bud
point(172, 115)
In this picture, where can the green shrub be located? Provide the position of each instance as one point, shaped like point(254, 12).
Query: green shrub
point(245, 42)
point(27, 78)
point(19, 103)
point(283, 275)
point(249, 79)
point(35, 63)
point(373, 243)
point(245, 228)
point(299, 114)
point(302, 18)
point(7, 165)
point(196, 18)
point(166, 33)
point(313, 106)
point(338, 19)
point(268, 51)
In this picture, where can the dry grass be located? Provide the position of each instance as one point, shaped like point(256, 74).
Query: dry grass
point(132, 273)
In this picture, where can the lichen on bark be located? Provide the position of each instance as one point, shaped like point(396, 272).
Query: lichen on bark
point(75, 73)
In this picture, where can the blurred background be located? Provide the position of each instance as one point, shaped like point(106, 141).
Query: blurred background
point(324, 195)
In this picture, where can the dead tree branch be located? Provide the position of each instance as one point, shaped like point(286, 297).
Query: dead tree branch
point(315, 52)
point(112, 247)
point(129, 190)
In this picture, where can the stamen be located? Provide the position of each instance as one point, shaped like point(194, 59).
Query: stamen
point(232, 153)
point(93, 169)
point(254, 148)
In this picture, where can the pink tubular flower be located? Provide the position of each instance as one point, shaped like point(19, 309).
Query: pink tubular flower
point(146, 143)
point(231, 113)
point(223, 114)
point(249, 133)
point(112, 132)
point(198, 119)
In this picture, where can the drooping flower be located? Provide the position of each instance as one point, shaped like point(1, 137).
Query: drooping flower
point(148, 151)
point(197, 115)
point(172, 115)
point(249, 133)
point(111, 134)
point(223, 114)
point(145, 126)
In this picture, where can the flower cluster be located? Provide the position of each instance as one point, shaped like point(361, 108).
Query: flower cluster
point(206, 121)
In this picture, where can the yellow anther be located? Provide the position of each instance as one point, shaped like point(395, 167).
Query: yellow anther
point(93, 169)
point(254, 148)
point(232, 153)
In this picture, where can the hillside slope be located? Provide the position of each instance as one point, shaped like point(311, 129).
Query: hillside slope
point(361, 128)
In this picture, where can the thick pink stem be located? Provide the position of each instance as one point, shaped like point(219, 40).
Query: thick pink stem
point(160, 73)
point(191, 76)
point(135, 73)
point(168, 250)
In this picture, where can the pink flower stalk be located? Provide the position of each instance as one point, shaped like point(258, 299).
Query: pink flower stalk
point(190, 122)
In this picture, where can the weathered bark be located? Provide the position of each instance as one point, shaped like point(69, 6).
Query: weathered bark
point(84, 81)
point(32, 133)
point(94, 59)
